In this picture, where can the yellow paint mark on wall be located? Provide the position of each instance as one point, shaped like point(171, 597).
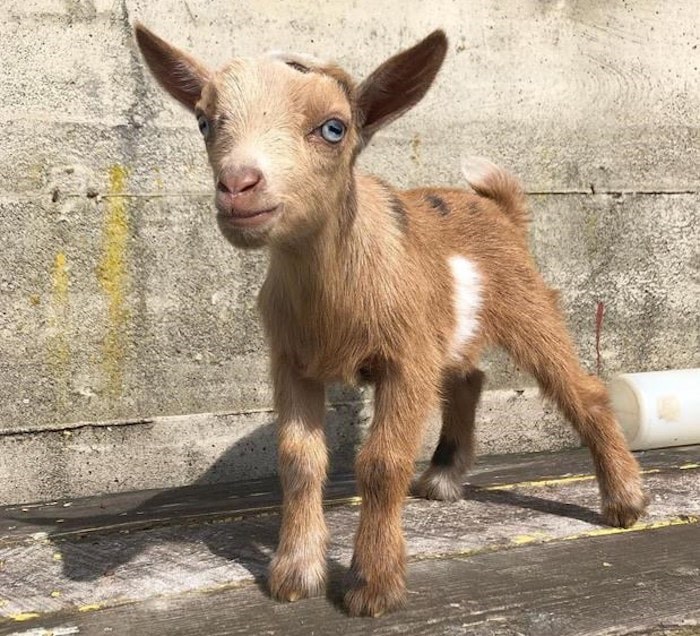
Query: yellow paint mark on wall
point(415, 148)
point(59, 348)
point(60, 277)
point(158, 180)
point(112, 275)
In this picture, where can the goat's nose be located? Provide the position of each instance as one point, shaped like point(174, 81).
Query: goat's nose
point(246, 179)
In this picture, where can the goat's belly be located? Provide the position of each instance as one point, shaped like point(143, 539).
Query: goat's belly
point(329, 368)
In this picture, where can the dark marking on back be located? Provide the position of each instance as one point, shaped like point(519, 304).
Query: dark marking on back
point(398, 211)
point(473, 207)
point(438, 204)
point(444, 454)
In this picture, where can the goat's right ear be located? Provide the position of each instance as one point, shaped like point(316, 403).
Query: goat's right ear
point(399, 83)
point(178, 73)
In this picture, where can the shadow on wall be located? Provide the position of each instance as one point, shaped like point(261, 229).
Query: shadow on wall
point(346, 417)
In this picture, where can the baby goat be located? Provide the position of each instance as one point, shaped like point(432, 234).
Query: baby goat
point(367, 283)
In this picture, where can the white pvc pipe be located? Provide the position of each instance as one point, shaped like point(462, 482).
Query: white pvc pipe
point(658, 409)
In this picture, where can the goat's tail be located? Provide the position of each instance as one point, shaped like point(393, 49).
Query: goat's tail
point(497, 184)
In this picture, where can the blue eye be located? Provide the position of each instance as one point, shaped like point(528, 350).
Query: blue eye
point(203, 125)
point(333, 131)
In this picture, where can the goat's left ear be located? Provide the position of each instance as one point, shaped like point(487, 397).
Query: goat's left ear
point(400, 83)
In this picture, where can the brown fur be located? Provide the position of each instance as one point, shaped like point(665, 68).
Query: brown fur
point(360, 287)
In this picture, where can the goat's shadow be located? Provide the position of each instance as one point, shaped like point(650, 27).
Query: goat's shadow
point(95, 545)
point(472, 492)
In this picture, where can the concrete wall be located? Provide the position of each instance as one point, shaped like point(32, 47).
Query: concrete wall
point(122, 310)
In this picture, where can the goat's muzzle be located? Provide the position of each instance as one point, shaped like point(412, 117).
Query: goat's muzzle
point(241, 198)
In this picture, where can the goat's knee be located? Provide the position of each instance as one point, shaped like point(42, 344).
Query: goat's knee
point(382, 478)
point(379, 562)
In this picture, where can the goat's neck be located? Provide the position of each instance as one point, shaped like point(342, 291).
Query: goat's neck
point(357, 235)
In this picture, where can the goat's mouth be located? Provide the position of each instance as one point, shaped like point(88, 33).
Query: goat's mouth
point(245, 218)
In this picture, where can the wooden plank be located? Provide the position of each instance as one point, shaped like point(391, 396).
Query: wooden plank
point(622, 583)
point(105, 565)
point(132, 510)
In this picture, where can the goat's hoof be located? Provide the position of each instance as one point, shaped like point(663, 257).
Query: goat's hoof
point(438, 484)
point(366, 600)
point(290, 580)
point(624, 509)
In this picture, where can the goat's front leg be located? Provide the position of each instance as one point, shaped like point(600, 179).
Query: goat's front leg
point(384, 468)
point(298, 569)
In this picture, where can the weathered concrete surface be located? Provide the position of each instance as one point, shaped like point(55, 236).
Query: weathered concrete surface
point(118, 300)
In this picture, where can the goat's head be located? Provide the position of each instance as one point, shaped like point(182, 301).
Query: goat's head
point(282, 132)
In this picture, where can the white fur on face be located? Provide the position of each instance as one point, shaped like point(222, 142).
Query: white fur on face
point(467, 302)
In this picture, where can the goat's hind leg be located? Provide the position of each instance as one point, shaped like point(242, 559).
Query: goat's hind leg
point(534, 333)
point(454, 454)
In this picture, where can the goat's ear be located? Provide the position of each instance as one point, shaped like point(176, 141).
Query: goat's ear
point(178, 73)
point(400, 83)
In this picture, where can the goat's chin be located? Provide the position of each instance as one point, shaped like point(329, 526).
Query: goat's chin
point(246, 238)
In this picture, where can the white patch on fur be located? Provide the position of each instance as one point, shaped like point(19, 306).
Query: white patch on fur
point(467, 302)
point(439, 483)
point(476, 170)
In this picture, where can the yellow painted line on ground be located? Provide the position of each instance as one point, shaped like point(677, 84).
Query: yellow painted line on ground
point(555, 481)
point(536, 483)
point(24, 616)
point(689, 466)
point(120, 602)
point(640, 526)
point(542, 538)
point(541, 483)
point(355, 500)
point(524, 539)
